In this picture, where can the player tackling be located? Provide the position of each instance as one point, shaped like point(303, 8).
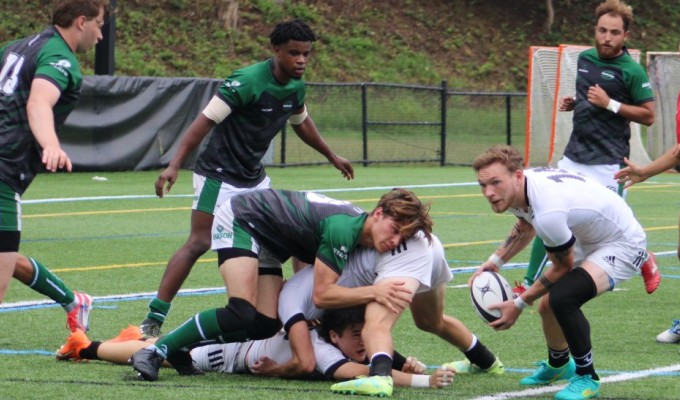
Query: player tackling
point(593, 240)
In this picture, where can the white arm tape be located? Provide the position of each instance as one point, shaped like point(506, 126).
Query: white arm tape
point(614, 106)
point(420, 381)
point(298, 119)
point(217, 110)
point(495, 260)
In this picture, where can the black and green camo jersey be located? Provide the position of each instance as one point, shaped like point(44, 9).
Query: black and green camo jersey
point(260, 107)
point(305, 225)
point(45, 55)
point(599, 136)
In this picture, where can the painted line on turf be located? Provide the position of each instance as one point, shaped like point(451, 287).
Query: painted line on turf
point(610, 379)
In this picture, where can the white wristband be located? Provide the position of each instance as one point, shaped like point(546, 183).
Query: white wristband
point(520, 303)
point(420, 381)
point(614, 106)
point(495, 260)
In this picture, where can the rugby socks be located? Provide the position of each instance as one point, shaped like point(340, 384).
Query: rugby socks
point(381, 365)
point(158, 310)
point(46, 283)
point(558, 358)
point(479, 355)
point(566, 299)
point(201, 327)
point(537, 261)
point(90, 352)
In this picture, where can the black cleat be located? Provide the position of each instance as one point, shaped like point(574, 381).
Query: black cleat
point(182, 362)
point(147, 362)
point(150, 328)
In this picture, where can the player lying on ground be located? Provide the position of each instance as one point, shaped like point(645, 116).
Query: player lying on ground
point(339, 350)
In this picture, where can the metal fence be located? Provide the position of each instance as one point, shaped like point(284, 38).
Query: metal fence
point(372, 123)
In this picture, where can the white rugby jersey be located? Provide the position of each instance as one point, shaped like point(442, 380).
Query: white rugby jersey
point(564, 205)
point(235, 358)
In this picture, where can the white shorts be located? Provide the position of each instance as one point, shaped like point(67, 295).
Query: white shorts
point(621, 261)
point(601, 173)
point(210, 193)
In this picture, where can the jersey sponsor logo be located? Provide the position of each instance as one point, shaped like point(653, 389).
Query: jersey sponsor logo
point(288, 105)
point(585, 71)
point(341, 252)
point(232, 85)
point(607, 75)
point(648, 85)
point(62, 66)
point(221, 234)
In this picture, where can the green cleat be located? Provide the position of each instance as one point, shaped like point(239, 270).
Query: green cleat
point(380, 386)
point(466, 367)
point(545, 374)
point(580, 387)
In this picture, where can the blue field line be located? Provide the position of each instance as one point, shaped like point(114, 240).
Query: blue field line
point(7, 352)
point(33, 305)
point(600, 372)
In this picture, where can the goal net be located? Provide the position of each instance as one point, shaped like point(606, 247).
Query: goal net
point(552, 75)
point(664, 75)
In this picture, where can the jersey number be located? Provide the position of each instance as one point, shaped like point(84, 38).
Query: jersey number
point(9, 76)
point(559, 174)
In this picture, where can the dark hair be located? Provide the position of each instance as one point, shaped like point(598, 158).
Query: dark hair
point(291, 30)
point(338, 319)
point(66, 11)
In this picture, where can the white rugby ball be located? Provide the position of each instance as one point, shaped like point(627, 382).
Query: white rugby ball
point(489, 288)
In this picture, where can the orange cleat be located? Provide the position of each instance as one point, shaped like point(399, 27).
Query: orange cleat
point(75, 342)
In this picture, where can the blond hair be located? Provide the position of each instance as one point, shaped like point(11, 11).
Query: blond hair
point(506, 155)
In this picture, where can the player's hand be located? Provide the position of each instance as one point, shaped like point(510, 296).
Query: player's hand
point(54, 158)
point(485, 266)
point(413, 366)
point(441, 378)
point(344, 166)
point(263, 366)
point(629, 175)
point(598, 97)
point(509, 315)
point(393, 295)
point(567, 103)
point(169, 176)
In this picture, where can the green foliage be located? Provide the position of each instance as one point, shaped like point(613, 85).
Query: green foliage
point(473, 43)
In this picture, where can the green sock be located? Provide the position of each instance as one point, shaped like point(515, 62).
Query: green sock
point(189, 333)
point(45, 282)
point(158, 309)
point(537, 261)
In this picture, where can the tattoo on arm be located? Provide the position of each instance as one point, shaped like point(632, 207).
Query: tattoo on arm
point(514, 237)
point(546, 282)
point(562, 256)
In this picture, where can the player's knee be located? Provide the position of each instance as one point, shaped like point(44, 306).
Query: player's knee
point(572, 291)
point(430, 325)
point(263, 327)
point(238, 314)
point(544, 305)
point(197, 245)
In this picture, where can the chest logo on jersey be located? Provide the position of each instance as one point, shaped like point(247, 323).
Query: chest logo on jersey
point(62, 66)
point(232, 85)
point(341, 252)
point(607, 75)
point(287, 105)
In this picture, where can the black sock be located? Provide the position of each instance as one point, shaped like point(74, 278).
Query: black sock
point(558, 358)
point(381, 364)
point(90, 352)
point(480, 355)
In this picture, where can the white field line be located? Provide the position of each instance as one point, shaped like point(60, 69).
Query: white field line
point(554, 388)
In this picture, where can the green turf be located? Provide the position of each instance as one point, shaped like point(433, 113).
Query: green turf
point(120, 246)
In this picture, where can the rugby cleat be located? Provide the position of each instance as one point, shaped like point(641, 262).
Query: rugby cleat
point(79, 317)
point(650, 273)
point(150, 328)
point(130, 333)
point(671, 335)
point(380, 386)
point(147, 362)
point(580, 387)
point(75, 342)
point(466, 367)
point(545, 374)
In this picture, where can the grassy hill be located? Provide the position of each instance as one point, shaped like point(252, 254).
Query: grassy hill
point(473, 44)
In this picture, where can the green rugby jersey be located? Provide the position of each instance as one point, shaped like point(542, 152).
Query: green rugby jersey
point(45, 55)
point(302, 224)
point(599, 136)
point(260, 107)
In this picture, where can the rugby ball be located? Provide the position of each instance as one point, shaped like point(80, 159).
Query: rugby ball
point(489, 288)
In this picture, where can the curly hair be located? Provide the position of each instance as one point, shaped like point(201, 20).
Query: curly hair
point(338, 319)
point(616, 8)
point(291, 30)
